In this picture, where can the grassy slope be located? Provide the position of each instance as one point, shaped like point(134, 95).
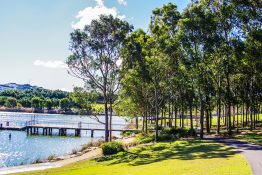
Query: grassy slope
point(180, 157)
point(254, 136)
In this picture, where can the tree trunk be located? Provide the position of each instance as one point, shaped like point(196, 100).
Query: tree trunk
point(224, 116)
point(191, 117)
point(243, 115)
point(196, 116)
point(210, 119)
point(146, 121)
point(110, 120)
point(251, 118)
point(207, 121)
point(234, 116)
point(182, 118)
point(136, 122)
point(201, 119)
point(246, 115)
point(143, 123)
point(228, 104)
point(106, 121)
point(169, 115)
point(175, 117)
point(156, 113)
point(219, 106)
point(237, 119)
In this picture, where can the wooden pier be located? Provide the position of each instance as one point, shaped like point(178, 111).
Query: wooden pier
point(37, 127)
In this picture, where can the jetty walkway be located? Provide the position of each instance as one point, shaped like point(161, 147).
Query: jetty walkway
point(41, 127)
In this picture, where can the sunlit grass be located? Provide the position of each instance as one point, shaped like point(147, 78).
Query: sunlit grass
point(180, 157)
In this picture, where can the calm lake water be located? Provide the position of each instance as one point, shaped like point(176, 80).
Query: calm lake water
point(23, 149)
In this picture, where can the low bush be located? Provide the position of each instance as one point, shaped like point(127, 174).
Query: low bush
point(129, 133)
point(38, 160)
point(110, 148)
point(173, 133)
point(145, 139)
point(51, 157)
point(192, 132)
point(74, 151)
point(182, 133)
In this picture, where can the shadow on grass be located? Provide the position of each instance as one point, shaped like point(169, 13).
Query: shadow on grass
point(251, 137)
point(183, 150)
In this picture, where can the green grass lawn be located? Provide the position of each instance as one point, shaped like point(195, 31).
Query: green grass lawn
point(175, 158)
point(254, 138)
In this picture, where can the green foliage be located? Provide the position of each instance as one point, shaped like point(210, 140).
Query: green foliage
point(65, 104)
point(10, 102)
point(38, 99)
point(36, 103)
point(82, 99)
point(129, 133)
point(2, 101)
point(207, 56)
point(145, 138)
point(125, 107)
point(97, 108)
point(110, 148)
point(49, 104)
point(172, 133)
point(24, 97)
point(167, 134)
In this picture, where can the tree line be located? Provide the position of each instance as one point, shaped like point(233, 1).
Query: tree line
point(39, 99)
point(203, 61)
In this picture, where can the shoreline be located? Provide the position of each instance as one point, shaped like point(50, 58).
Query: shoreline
point(32, 111)
point(95, 152)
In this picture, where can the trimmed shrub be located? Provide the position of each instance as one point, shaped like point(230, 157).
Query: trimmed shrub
point(110, 148)
point(181, 133)
point(172, 133)
point(145, 139)
point(192, 132)
point(129, 133)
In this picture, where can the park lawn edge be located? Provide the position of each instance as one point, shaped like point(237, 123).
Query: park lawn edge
point(220, 159)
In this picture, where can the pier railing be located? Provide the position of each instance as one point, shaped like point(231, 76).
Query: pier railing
point(73, 125)
point(15, 124)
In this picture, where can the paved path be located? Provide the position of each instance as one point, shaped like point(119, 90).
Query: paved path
point(253, 153)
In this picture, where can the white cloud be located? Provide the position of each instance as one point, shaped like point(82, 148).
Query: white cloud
point(122, 2)
point(100, 2)
point(50, 64)
point(88, 14)
point(65, 89)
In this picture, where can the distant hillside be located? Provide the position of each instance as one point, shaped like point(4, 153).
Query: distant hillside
point(15, 86)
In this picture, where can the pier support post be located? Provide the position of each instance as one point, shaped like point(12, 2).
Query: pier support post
point(92, 133)
point(62, 132)
point(77, 132)
point(65, 132)
point(27, 131)
point(50, 131)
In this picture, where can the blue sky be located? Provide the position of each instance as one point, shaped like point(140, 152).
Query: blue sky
point(34, 35)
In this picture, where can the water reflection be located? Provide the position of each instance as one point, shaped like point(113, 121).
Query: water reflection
point(23, 149)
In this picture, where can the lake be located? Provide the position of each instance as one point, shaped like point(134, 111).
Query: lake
point(23, 149)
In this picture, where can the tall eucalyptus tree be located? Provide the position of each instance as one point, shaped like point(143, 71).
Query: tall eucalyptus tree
point(95, 57)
